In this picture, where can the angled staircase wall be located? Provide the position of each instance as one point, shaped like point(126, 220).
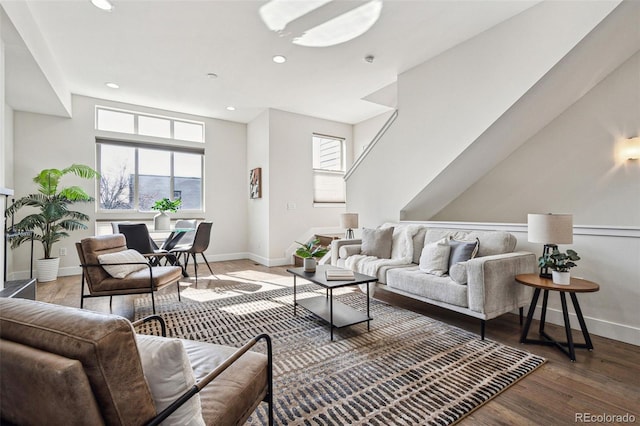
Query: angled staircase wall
point(446, 104)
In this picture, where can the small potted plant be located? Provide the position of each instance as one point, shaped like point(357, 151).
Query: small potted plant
point(560, 263)
point(309, 252)
point(162, 221)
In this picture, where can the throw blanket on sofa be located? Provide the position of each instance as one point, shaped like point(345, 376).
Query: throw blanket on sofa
point(401, 253)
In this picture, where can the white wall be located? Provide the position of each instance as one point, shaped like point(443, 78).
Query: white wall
point(570, 166)
point(43, 141)
point(3, 153)
point(258, 209)
point(291, 179)
point(448, 102)
point(365, 131)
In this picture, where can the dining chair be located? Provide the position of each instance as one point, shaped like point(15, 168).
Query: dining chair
point(188, 236)
point(199, 245)
point(138, 238)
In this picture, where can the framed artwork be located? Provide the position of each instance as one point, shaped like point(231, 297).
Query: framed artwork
point(255, 183)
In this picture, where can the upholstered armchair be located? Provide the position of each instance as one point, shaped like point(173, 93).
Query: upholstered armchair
point(68, 366)
point(109, 269)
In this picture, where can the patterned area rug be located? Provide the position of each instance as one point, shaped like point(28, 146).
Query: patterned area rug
point(408, 370)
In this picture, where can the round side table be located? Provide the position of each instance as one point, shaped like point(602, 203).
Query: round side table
point(577, 285)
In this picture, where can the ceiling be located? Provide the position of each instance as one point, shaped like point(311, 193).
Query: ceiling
point(160, 53)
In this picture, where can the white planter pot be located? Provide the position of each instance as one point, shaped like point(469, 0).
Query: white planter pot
point(47, 269)
point(309, 264)
point(161, 222)
point(562, 278)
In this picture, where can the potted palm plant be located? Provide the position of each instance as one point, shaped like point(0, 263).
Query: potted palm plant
point(162, 221)
point(309, 252)
point(53, 220)
point(560, 263)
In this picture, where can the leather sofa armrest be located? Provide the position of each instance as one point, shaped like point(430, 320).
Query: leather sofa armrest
point(335, 248)
point(492, 288)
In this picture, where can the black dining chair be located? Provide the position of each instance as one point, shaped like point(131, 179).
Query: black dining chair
point(199, 245)
point(138, 238)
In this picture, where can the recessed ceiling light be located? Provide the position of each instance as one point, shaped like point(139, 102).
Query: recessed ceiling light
point(231, 108)
point(212, 75)
point(279, 59)
point(112, 85)
point(102, 4)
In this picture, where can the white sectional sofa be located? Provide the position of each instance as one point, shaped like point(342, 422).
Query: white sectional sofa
point(483, 287)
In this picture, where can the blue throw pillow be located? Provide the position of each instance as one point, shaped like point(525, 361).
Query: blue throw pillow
point(461, 251)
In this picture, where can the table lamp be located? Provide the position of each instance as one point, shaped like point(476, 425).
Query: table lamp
point(349, 221)
point(550, 230)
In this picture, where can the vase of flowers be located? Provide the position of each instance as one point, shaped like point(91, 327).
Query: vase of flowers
point(162, 221)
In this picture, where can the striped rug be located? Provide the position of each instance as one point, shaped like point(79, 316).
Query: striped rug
point(408, 370)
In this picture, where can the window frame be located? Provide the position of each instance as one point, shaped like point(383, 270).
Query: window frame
point(136, 145)
point(136, 130)
point(342, 172)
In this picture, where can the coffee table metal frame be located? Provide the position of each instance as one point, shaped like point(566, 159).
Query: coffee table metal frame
point(337, 314)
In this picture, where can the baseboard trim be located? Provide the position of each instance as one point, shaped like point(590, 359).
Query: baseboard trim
point(603, 328)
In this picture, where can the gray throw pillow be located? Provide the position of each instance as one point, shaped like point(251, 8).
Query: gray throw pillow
point(461, 251)
point(377, 242)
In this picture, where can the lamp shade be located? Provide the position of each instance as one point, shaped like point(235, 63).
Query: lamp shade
point(349, 220)
point(550, 228)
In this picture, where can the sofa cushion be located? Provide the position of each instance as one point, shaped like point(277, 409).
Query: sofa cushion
point(491, 242)
point(435, 257)
point(461, 250)
point(458, 272)
point(418, 244)
point(377, 242)
point(133, 260)
point(166, 367)
point(349, 250)
point(415, 282)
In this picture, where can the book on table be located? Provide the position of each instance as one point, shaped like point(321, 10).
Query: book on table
point(339, 275)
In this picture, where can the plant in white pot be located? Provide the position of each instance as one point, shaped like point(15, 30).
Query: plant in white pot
point(309, 252)
point(53, 219)
point(560, 263)
point(162, 221)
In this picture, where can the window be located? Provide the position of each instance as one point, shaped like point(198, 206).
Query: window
point(328, 169)
point(134, 176)
point(134, 123)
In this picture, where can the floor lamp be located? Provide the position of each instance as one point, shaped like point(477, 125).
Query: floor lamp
point(349, 221)
point(550, 230)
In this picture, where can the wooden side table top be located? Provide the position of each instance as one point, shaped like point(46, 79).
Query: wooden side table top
point(578, 285)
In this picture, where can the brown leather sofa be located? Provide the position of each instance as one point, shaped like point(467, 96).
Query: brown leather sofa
point(67, 366)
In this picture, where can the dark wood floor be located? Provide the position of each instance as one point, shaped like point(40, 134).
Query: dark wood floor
point(605, 381)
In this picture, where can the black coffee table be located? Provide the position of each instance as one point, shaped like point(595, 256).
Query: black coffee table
point(337, 314)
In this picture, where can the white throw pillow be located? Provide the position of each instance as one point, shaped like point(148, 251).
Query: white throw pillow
point(435, 258)
point(124, 256)
point(166, 367)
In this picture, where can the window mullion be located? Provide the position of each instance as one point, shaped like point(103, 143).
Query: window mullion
point(136, 203)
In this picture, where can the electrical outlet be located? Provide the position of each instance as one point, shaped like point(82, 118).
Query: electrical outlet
point(63, 251)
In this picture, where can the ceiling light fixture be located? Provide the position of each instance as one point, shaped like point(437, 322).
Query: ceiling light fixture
point(212, 75)
point(231, 108)
point(111, 85)
point(102, 4)
point(279, 59)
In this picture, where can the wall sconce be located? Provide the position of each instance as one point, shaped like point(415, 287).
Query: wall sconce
point(631, 148)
